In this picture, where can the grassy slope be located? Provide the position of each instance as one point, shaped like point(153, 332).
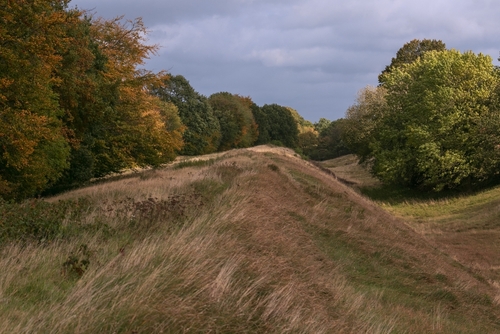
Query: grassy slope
point(465, 227)
point(253, 241)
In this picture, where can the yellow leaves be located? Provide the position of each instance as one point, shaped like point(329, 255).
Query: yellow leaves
point(4, 85)
point(20, 135)
point(67, 80)
point(32, 146)
point(5, 188)
point(122, 42)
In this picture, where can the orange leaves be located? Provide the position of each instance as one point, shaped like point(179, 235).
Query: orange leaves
point(32, 147)
point(152, 130)
point(122, 42)
point(71, 92)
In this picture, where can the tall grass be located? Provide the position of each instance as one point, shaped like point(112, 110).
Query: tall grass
point(229, 246)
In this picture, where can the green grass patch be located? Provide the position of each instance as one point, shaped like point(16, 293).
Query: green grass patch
point(38, 220)
point(452, 209)
point(459, 211)
point(208, 188)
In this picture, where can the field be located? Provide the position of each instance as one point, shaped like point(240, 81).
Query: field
point(250, 241)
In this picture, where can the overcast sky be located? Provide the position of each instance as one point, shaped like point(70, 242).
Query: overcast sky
point(311, 55)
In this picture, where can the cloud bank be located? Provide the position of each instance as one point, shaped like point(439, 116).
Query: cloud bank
point(310, 55)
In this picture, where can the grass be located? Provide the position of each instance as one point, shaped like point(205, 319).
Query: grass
point(464, 226)
point(194, 163)
point(252, 242)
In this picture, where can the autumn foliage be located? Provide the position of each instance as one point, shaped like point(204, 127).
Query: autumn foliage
point(73, 103)
point(203, 131)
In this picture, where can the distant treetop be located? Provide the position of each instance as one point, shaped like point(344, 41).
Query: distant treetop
point(410, 52)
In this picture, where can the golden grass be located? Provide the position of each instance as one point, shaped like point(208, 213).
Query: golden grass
point(236, 246)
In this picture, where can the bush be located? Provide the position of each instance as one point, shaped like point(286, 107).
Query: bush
point(35, 219)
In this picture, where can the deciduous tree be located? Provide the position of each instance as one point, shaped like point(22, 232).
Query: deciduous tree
point(281, 125)
point(237, 125)
point(72, 94)
point(330, 141)
point(362, 119)
point(410, 52)
point(202, 133)
point(434, 134)
point(33, 148)
point(134, 127)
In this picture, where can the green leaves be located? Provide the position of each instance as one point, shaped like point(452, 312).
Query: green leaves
point(281, 125)
point(361, 120)
point(409, 53)
point(430, 135)
point(237, 124)
point(33, 149)
point(202, 133)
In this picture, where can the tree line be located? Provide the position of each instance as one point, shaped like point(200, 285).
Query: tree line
point(76, 103)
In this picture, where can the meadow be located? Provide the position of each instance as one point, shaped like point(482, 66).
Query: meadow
point(254, 240)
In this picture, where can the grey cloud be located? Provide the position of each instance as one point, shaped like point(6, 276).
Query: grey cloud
point(311, 55)
point(157, 11)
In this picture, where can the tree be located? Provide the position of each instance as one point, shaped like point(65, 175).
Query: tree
point(113, 120)
point(74, 102)
point(250, 129)
point(262, 125)
point(436, 132)
point(87, 98)
point(307, 139)
point(281, 125)
point(303, 125)
point(202, 133)
point(410, 52)
point(308, 143)
point(33, 148)
point(330, 142)
point(362, 119)
point(322, 124)
point(237, 125)
point(131, 130)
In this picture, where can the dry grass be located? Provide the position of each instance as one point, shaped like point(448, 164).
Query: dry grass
point(238, 246)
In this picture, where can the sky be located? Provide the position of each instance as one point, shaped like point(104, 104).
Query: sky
point(311, 55)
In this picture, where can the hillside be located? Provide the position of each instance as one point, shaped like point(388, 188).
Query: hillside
point(465, 226)
point(252, 241)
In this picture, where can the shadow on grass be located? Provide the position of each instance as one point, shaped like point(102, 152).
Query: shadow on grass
point(394, 194)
